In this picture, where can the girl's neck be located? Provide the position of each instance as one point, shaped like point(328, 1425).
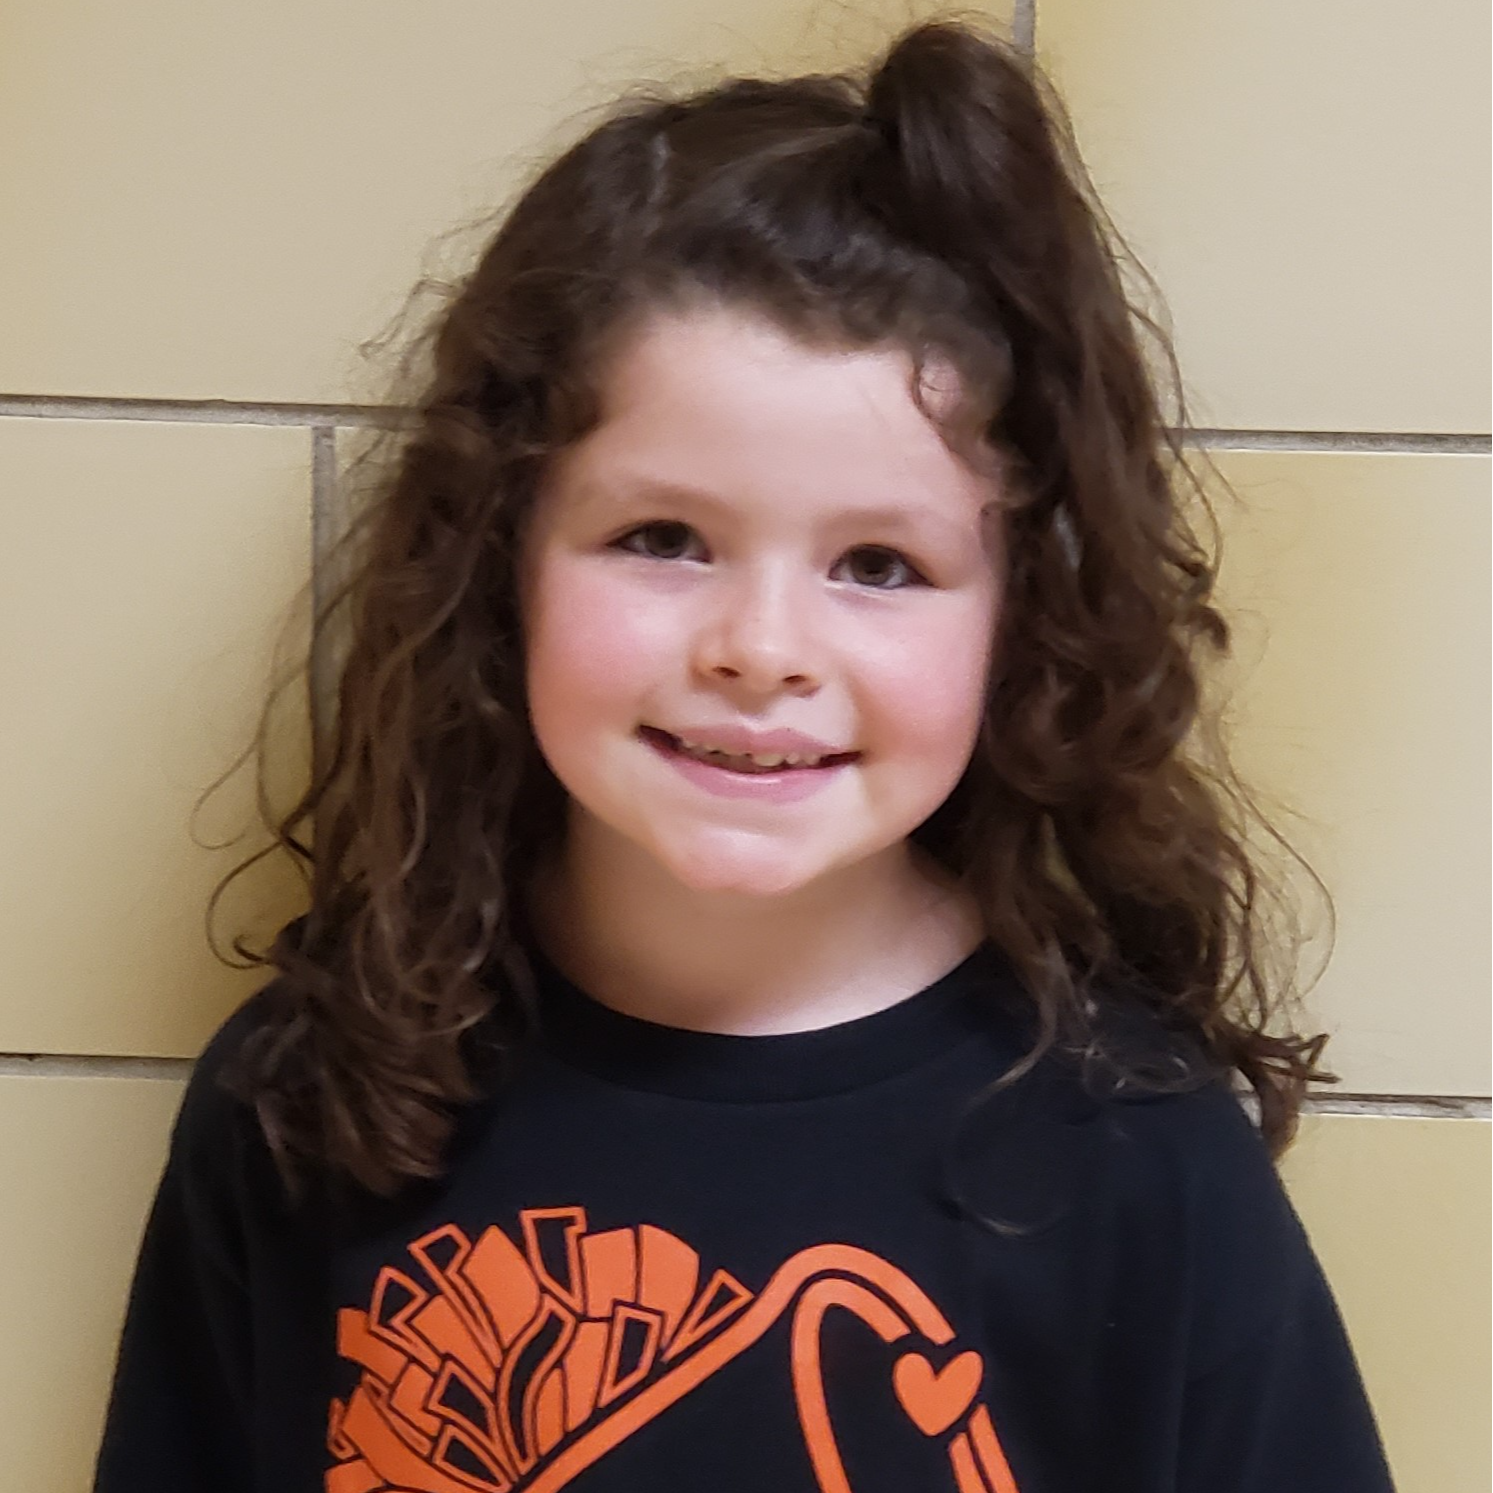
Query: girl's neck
point(654, 949)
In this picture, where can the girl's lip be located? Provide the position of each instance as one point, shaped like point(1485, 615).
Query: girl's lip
point(750, 744)
point(782, 785)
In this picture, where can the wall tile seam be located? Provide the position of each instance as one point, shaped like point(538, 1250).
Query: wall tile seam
point(192, 411)
point(1024, 26)
point(331, 417)
point(323, 537)
point(1402, 1106)
point(91, 1065)
point(103, 1065)
point(1400, 442)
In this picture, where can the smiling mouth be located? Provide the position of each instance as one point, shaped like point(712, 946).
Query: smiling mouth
point(742, 764)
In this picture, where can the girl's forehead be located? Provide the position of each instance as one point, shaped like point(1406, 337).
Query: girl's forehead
point(725, 397)
point(674, 351)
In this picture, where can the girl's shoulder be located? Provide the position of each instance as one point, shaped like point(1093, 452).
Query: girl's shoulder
point(1143, 1140)
point(210, 1099)
point(1177, 1132)
point(217, 1147)
point(1197, 1156)
point(1184, 1186)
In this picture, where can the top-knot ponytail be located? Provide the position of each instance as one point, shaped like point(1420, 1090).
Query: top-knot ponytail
point(946, 103)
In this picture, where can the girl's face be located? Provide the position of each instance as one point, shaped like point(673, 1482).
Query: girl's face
point(757, 537)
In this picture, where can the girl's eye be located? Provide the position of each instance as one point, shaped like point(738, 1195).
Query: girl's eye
point(881, 569)
point(666, 539)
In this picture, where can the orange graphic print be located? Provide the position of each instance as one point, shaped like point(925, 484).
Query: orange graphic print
point(497, 1368)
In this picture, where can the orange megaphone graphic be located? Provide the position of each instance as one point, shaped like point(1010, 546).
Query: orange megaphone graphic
point(514, 1369)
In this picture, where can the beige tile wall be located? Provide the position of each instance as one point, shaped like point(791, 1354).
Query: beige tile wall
point(1358, 587)
point(222, 204)
point(214, 212)
point(1398, 1212)
point(78, 1165)
point(1310, 184)
point(148, 573)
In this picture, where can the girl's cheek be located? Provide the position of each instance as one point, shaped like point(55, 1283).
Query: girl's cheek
point(911, 645)
point(594, 635)
point(937, 711)
point(930, 683)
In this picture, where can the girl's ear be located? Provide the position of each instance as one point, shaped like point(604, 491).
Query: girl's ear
point(940, 383)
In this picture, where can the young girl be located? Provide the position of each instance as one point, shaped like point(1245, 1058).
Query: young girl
point(776, 984)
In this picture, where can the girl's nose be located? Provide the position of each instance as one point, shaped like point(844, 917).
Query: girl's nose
point(760, 631)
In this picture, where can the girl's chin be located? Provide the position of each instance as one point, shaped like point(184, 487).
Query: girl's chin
point(707, 872)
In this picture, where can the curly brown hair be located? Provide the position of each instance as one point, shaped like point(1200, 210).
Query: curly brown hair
point(937, 203)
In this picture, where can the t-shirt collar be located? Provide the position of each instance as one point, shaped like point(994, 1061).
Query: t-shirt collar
point(629, 1050)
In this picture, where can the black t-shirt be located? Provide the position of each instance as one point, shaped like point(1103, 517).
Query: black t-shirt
point(674, 1260)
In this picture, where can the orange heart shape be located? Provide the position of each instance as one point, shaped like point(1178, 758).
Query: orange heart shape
point(934, 1401)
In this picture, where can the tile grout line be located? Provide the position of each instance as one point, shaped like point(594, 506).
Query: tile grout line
point(1409, 442)
point(1405, 1106)
point(323, 508)
point(329, 416)
point(1024, 26)
point(103, 1065)
point(193, 411)
point(92, 1065)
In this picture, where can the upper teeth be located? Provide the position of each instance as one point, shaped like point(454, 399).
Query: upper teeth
point(761, 759)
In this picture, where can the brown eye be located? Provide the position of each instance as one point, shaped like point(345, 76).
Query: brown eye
point(674, 536)
point(886, 562)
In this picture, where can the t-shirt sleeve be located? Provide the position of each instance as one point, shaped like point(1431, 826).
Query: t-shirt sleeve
point(1287, 1412)
point(177, 1418)
point(1274, 1400)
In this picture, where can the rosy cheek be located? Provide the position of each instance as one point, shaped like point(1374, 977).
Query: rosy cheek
point(930, 686)
point(592, 641)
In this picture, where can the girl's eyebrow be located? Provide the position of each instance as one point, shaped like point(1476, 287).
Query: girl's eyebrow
point(887, 515)
point(614, 492)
